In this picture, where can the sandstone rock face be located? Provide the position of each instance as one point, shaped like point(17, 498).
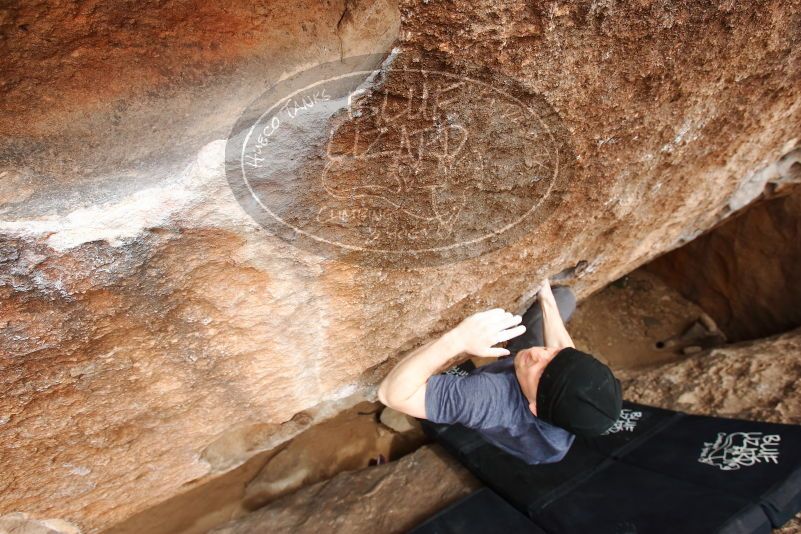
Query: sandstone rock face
point(375, 499)
point(637, 321)
point(19, 523)
point(758, 380)
point(745, 272)
point(399, 422)
point(147, 316)
point(347, 442)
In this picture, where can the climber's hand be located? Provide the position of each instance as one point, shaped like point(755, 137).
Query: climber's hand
point(545, 292)
point(478, 333)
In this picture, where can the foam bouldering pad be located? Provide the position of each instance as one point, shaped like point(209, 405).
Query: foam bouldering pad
point(637, 423)
point(511, 477)
point(622, 498)
point(758, 461)
point(481, 512)
point(655, 471)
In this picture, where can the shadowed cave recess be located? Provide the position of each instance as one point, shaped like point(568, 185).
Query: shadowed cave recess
point(222, 225)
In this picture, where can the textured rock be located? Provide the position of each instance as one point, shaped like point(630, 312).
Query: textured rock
point(745, 272)
point(376, 499)
point(349, 441)
point(147, 319)
point(397, 421)
point(758, 380)
point(636, 321)
point(20, 523)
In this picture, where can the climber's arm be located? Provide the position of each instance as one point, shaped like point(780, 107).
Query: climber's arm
point(404, 387)
point(553, 328)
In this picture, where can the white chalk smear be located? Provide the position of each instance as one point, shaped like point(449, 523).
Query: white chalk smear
point(122, 220)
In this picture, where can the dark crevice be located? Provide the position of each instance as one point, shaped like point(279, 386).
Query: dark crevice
point(744, 273)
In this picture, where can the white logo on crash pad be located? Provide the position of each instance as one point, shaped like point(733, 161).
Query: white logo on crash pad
point(627, 422)
point(730, 452)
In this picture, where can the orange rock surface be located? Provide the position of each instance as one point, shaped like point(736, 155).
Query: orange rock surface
point(145, 316)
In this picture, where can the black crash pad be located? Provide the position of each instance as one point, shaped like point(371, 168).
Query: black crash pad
point(655, 471)
point(481, 512)
point(760, 462)
point(510, 477)
point(622, 498)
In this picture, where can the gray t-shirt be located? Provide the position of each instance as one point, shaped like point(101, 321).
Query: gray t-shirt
point(490, 400)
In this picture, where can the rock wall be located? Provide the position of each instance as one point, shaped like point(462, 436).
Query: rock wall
point(375, 499)
point(744, 273)
point(147, 316)
point(755, 380)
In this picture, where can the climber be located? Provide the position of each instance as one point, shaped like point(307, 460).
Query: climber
point(531, 405)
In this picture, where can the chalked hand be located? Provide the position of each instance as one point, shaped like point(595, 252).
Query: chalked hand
point(478, 333)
